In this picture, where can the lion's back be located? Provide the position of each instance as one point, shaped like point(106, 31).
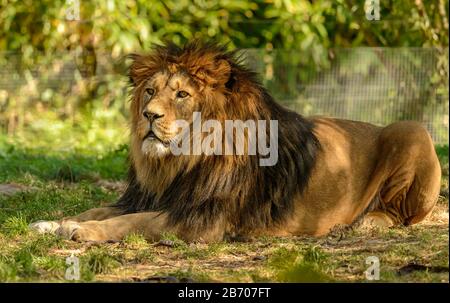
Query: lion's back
point(352, 153)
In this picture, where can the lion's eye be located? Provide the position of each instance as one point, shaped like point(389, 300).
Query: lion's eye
point(182, 94)
point(150, 91)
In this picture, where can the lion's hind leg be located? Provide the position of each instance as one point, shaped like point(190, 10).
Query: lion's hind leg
point(422, 197)
point(409, 206)
point(411, 190)
point(401, 206)
point(377, 218)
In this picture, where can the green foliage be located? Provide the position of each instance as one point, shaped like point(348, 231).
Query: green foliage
point(306, 31)
point(123, 26)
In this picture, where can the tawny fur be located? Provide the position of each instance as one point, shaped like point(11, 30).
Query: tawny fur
point(330, 172)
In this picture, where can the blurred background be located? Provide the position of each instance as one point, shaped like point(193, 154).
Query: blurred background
point(63, 83)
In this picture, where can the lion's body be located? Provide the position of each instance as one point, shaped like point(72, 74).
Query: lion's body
point(362, 167)
point(330, 172)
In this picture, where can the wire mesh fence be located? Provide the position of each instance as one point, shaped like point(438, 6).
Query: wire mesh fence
point(376, 85)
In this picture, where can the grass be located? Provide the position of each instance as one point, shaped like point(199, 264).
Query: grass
point(59, 183)
point(15, 225)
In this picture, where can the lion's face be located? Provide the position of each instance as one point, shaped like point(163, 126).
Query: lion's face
point(164, 99)
point(169, 85)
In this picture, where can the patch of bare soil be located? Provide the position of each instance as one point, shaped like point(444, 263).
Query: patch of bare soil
point(10, 189)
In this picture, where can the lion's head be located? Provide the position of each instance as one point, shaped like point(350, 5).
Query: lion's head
point(163, 99)
point(170, 84)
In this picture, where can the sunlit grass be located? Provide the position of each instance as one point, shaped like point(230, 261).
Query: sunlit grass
point(15, 225)
point(62, 181)
point(80, 134)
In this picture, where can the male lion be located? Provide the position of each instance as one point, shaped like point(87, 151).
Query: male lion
point(330, 172)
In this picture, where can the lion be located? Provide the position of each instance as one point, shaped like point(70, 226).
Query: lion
point(329, 172)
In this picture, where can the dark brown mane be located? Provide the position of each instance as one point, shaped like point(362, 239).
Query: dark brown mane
point(244, 197)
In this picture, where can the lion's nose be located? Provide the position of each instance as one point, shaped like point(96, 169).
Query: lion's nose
point(151, 116)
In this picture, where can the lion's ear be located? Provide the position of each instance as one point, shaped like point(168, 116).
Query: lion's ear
point(132, 67)
point(140, 69)
point(215, 74)
point(223, 71)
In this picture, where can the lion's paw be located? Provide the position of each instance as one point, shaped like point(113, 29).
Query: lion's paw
point(67, 229)
point(44, 227)
point(81, 232)
point(88, 234)
point(377, 219)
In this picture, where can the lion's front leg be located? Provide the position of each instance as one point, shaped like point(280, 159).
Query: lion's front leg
point(149, 224)
point(98, 214)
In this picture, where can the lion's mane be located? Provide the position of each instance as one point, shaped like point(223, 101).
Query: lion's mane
point(230, 189)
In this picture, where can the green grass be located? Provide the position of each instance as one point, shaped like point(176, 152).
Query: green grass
point(135, 241)
point(296, 265)
point(63, 183)
point(99, 261)
point(51, 201)
point(15, 225)
point(20, 164)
